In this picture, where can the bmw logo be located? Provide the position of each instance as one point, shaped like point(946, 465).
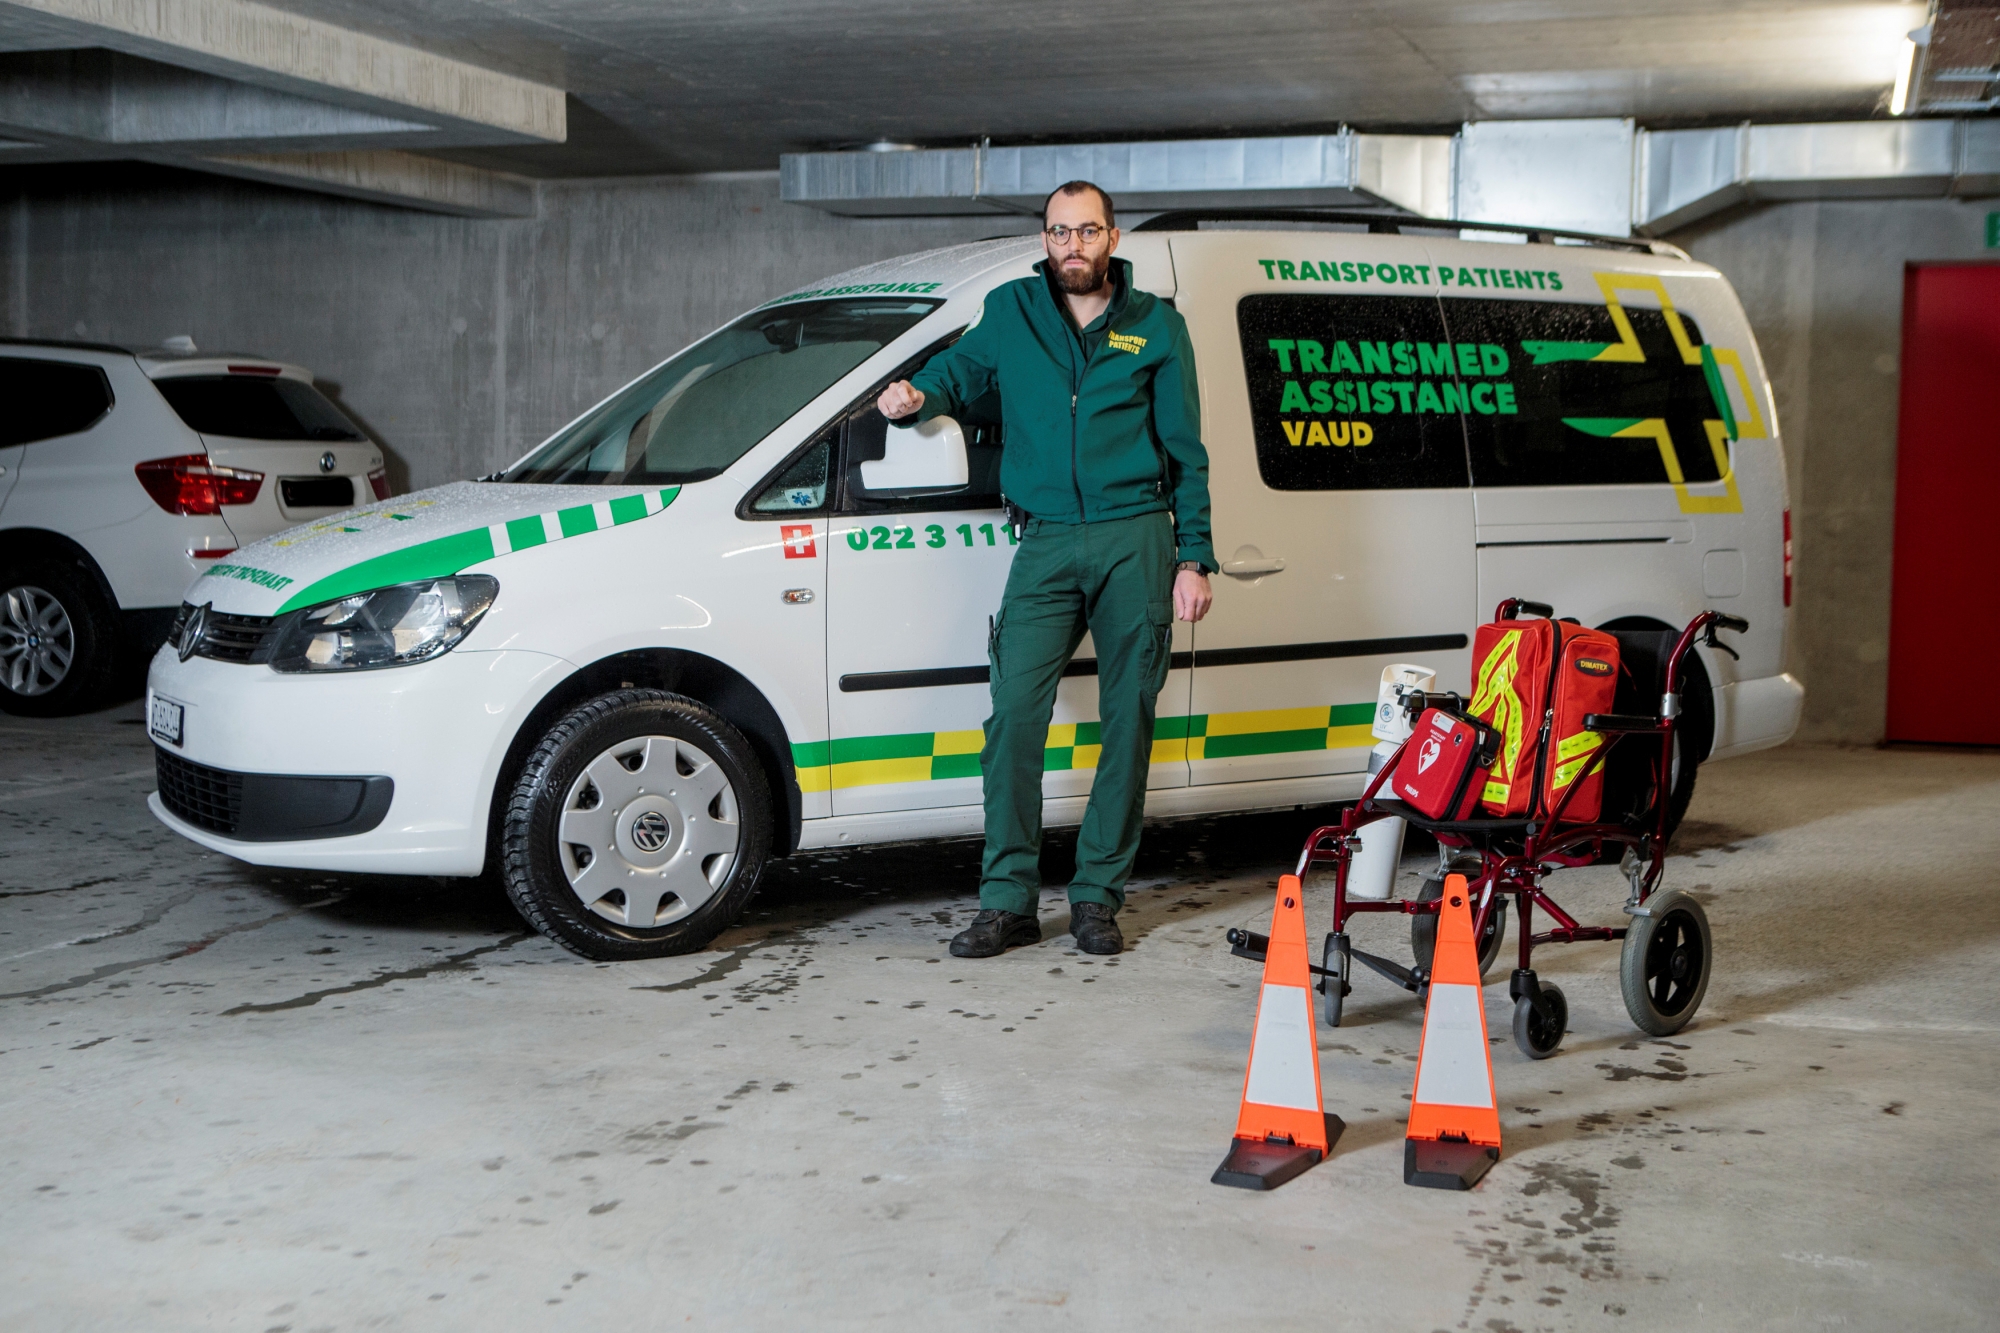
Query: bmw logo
point(327, 462)
point(650, 831)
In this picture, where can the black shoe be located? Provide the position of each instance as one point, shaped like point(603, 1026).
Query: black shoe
point(994, 932)
point(1096, 928)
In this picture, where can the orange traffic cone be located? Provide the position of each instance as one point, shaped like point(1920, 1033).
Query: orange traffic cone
point(1282, 1129)
point(1454, 1132)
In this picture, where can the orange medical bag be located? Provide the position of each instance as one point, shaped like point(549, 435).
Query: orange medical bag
point(1533, 682)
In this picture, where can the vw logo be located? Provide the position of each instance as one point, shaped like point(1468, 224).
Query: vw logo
point(327, 462)
point(650, 831)
point(191, 633)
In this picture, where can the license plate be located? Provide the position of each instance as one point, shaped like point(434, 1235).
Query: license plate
point(166, 721)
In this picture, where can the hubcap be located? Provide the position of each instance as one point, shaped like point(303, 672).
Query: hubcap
point(650, 830)
point(37, 641)
point(1673, 963)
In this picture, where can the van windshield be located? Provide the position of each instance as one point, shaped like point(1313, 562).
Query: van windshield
point(698, 412)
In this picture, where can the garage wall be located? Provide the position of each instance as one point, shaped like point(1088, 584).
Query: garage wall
point(1822, 284)
point(460, 343)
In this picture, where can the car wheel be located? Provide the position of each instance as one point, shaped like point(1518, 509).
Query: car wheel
point(58, 641)
point(638, 827)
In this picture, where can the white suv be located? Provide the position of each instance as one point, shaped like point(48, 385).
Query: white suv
point(125, 474)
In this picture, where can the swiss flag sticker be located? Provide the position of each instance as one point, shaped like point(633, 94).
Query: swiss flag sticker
point(798, 541)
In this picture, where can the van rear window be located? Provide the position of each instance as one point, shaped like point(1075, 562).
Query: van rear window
point(1586, 405)
point(1351, 393)
point(255, 408)
point(1373, 393)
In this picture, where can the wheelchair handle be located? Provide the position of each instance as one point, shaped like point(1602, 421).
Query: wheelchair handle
point(1507, 609)
point(1736, 623)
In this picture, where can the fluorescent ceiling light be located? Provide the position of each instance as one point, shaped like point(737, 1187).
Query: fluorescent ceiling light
point(1899, 100)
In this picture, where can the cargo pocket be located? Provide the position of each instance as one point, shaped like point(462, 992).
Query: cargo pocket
point(993, 652)
point(1159, 644)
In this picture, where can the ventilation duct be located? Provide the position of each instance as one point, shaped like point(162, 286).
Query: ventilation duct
point(1408, 173)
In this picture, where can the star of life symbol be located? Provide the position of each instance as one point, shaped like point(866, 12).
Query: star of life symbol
point(797, 539)
point(1428, 755)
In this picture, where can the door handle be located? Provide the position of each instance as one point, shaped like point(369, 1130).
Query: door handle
point(1245, 568)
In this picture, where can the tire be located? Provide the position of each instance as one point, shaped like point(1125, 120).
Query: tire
point(602, 860)
point(1423, 930)
point(60, 645)
point(1336, 960)
point(1666, 963)
point(1539, 1030)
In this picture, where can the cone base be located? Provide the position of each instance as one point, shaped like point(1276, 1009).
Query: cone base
point(1444, 1164)
point(1264, 1165)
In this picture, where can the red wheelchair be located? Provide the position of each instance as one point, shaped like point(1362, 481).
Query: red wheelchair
point(1668, 951)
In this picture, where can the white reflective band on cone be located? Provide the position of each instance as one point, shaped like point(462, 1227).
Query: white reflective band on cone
point(1281, 1056)
point(1452, 1068)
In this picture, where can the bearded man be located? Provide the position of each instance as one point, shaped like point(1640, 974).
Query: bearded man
point(1102, 457)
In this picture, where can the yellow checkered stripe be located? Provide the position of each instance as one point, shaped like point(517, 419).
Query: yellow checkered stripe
point(934, 756)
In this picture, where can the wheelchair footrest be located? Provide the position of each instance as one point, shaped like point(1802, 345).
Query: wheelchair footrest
point(1410, 980)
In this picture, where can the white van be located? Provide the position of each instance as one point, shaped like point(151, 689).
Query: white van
point(728, 613)
point(124, 474)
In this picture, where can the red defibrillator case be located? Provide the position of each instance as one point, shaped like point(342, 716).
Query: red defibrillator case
point(1443, 769)
point(1533, 682)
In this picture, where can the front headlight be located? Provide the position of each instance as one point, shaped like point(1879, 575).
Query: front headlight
point(411, 622)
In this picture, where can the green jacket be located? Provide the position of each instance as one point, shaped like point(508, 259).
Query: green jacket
point(1101, 424)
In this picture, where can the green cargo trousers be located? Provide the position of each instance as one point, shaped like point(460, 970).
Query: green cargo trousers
point(1115, 579)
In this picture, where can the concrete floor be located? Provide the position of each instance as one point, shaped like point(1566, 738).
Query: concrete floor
point(247, 1099)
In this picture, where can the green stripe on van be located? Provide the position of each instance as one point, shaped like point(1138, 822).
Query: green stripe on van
point(442, 556)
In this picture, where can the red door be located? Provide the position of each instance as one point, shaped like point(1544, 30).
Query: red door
point(1944, 612)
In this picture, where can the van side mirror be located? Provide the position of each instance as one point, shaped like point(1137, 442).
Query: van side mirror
point(917, 459)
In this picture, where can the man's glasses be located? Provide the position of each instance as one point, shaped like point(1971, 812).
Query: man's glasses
point(1087, 233)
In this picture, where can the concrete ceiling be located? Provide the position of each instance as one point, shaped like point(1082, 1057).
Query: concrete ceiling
point(720, 85)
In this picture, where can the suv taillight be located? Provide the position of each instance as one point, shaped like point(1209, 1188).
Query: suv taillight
point(378, 481)
point(191, 484)
point(1788, 557)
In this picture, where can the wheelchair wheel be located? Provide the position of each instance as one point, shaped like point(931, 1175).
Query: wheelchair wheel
point(1423, 930)
point(1335, 988)
point(1539, 1030)
point(1665, 966)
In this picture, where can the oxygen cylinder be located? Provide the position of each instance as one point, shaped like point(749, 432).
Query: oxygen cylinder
point(1372, 872)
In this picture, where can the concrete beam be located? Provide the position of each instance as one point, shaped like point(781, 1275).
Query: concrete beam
point(84, 99)
point(400, 179)
point(256, 44)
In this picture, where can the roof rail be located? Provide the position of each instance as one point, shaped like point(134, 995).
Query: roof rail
point(66, 344)
point(1189, 219)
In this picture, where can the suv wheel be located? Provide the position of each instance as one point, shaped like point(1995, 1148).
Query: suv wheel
point(58, 642)
point(638, 827)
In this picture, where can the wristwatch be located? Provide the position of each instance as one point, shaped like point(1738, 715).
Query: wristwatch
point(1195, 565)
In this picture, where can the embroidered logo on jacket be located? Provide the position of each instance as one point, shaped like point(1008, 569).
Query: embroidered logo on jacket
point(1125, 342)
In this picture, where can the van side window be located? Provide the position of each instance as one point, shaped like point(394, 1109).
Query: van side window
point(1352, 393)
point(801, 487)
point(49, 398)
point(866, 440)
point(867, 436)
point(1574, 403)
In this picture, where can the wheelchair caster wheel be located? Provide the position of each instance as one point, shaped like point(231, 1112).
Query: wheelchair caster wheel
point(1538, 1028)
point(1664, 968)
point(1336, 960)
